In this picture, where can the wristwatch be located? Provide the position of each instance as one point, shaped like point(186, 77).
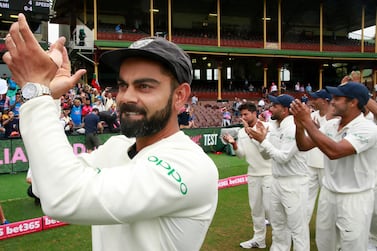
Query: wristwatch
point(32, 90)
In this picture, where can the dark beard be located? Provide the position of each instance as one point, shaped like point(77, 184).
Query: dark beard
point(145, 126)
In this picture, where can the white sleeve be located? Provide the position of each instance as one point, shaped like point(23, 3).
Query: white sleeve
point(284, 153)
point(94, 189)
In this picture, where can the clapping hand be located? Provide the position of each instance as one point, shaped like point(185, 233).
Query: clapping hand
point(259, 133)
point(228, 138)
point(28, 62)
point(300, 111)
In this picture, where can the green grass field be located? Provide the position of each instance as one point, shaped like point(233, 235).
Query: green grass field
point(231, 225)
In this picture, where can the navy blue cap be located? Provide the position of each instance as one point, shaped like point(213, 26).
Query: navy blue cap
point(283, 99)
point(321, 94)
point(351, 90)
point(156, 48)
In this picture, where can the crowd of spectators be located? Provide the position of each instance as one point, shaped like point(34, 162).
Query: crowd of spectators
point(10, 103)
point(75, 105)
point(80, 101)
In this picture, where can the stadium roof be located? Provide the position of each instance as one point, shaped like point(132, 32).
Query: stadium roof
point(338, 15)
point(230, 51)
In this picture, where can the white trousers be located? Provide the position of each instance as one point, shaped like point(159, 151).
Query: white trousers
point(315, 176)
point(288, 214)
point(373, 225)
point(259, 200)
point(343, 220)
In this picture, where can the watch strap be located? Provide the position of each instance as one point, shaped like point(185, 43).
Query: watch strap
point(40, 90)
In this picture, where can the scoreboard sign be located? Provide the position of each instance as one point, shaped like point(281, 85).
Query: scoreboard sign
point(26, 6)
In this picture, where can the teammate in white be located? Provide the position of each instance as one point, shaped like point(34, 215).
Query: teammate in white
point(259, 175)
point(323, 112)
point(289, 190)
point(346, 199)
point(151, 188)
point(372, 246)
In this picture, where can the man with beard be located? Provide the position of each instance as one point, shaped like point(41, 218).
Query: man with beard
point(289, 186)
point(258, 175)
point(323, 112)
point(345, 204)
point(151, 188)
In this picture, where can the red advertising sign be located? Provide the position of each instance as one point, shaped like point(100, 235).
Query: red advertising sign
point(20, 228)
point(49, 223)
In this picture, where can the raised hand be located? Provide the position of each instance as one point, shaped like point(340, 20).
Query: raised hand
point(228, 138)
point(25, 58)
point(28, 62)
point(259, 133)
point(63, 81)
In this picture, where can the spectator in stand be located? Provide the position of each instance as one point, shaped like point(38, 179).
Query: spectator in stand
point(83, 96)
point(11, 126)
point(111, 121)
point(259, 175)
point(76, 113)
point(86, 108)
point(304, 99)
point(15, 106)
point(2, 129)
point(113, 108)
point(98, 104)
point(283, 87)
point(108, 99)
point(192, 118)
point(264, 92)
point(93, 126)
point(13, 88)
point(261, 102)
point(4, 99)
point(297, 86)
point(119, 30)
point(273, 89)
point(236, 103)
point(3, 221)
point(226, 117)
point(251, 87)
point(194, 99)
point(5, 114)
point(67, 120)
point(96, 96)
point(64, 99)
point(89, 92)
point(308, 88)
point(302, 88)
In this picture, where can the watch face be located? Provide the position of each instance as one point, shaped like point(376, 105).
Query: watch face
point(29, 91)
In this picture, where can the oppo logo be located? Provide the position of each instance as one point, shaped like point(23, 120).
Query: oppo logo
point(171, 172)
